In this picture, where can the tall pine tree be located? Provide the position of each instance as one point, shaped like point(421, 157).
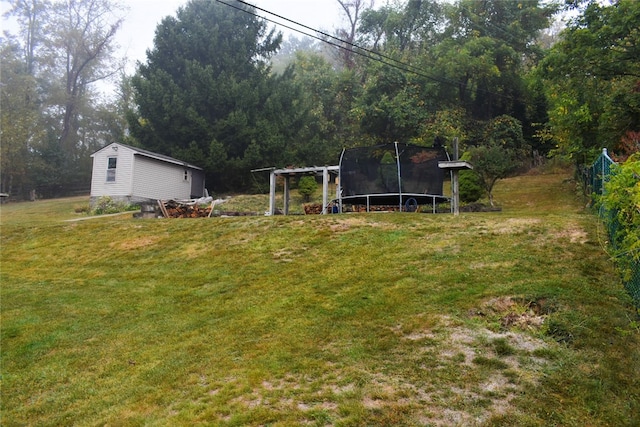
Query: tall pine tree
point(200, 96)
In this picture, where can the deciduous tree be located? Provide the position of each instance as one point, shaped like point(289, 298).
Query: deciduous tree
point(352, 10)
point(65, 47)
point(20, 122)
point(81, 41)
point(592, 80)
point(499, 154)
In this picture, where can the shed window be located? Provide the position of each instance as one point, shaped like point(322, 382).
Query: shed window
point(111, 169)
point(186, 175)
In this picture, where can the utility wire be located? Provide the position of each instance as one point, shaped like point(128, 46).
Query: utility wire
point(370, 55)
point(339, 43)
point(405, 66)
point(358, 50)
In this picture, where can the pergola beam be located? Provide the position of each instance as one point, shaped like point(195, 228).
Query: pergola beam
point(290, 172)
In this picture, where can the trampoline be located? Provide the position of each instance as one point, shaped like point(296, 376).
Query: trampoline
point(400, 175)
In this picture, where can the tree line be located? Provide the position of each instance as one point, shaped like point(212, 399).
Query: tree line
point(222, 89)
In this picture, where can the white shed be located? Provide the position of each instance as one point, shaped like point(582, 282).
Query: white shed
point(135, 175)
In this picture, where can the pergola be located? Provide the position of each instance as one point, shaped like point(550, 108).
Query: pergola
point(455, 166)
point(383, 174)
point(288, 173)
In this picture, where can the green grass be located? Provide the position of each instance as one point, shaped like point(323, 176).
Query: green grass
point(259, 203)
point(509, 318)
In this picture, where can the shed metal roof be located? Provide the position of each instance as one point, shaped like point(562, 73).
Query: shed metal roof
point(151, 155)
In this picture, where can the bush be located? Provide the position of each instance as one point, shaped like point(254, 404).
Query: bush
point(622, 200)
point(469, 187)
point(106, 205)
point(306, 187)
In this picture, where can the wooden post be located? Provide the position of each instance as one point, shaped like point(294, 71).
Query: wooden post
point(286, 194)
point(325, 189)
point(399, 174)
point(272, 193)
point(338, 193)
point(455, 194)
point(163, 209)
point(455, 166)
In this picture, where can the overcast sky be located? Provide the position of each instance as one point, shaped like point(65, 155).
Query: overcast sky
point(138, 29)
point(136, 34)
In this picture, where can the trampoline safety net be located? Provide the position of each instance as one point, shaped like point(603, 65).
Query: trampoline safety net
point(385, 174)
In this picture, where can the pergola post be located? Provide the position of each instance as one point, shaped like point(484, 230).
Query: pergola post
point(325, 189)
point(286, 194)
point(338, 194)
point(455, 186)
point(455, 166)
point(293, 172)
point(399, 173)
point(272, 192)
point(455, 193)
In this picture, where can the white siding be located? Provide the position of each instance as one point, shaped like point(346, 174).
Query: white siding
point(155, 179)
point(121, 187)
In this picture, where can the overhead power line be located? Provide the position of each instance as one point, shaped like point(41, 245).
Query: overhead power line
point(346, 45)
point(349, 46)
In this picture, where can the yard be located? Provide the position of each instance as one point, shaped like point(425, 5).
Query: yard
point(506, 318)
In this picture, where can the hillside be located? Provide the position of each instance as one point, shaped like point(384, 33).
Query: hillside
point(509, 318)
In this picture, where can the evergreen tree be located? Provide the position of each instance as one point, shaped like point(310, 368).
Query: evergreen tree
point(201, 96)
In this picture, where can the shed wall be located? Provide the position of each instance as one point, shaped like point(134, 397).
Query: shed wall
point(153, 179)
point(197, 184)
point(121, 187)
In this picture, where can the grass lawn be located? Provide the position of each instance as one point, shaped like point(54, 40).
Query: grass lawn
point(514, 318)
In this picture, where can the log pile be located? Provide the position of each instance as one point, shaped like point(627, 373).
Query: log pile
point(312, 209)
point(374, 208)
point(175, 209)
point(194, 209)
point(381, 208)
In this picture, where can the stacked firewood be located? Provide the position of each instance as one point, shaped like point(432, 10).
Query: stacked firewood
point(374, 208)
point(174, 209)
point(313, 209)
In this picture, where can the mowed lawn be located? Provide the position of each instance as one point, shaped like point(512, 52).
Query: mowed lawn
point(512, 318)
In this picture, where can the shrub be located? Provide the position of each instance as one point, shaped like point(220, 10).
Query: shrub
point(469, 183)
point(469, 187)
point(106, 205)
point(622, 201)
point(306, 187)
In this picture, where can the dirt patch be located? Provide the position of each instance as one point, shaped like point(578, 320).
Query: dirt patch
point(515, 225)
point(288, 255)
point(574, 233)
point(489, 387)
point(453, 373)
point(513, 312)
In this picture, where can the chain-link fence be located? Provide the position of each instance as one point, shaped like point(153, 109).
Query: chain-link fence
point(594, 179)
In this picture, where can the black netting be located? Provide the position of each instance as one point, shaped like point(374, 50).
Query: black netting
point(391, 170)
